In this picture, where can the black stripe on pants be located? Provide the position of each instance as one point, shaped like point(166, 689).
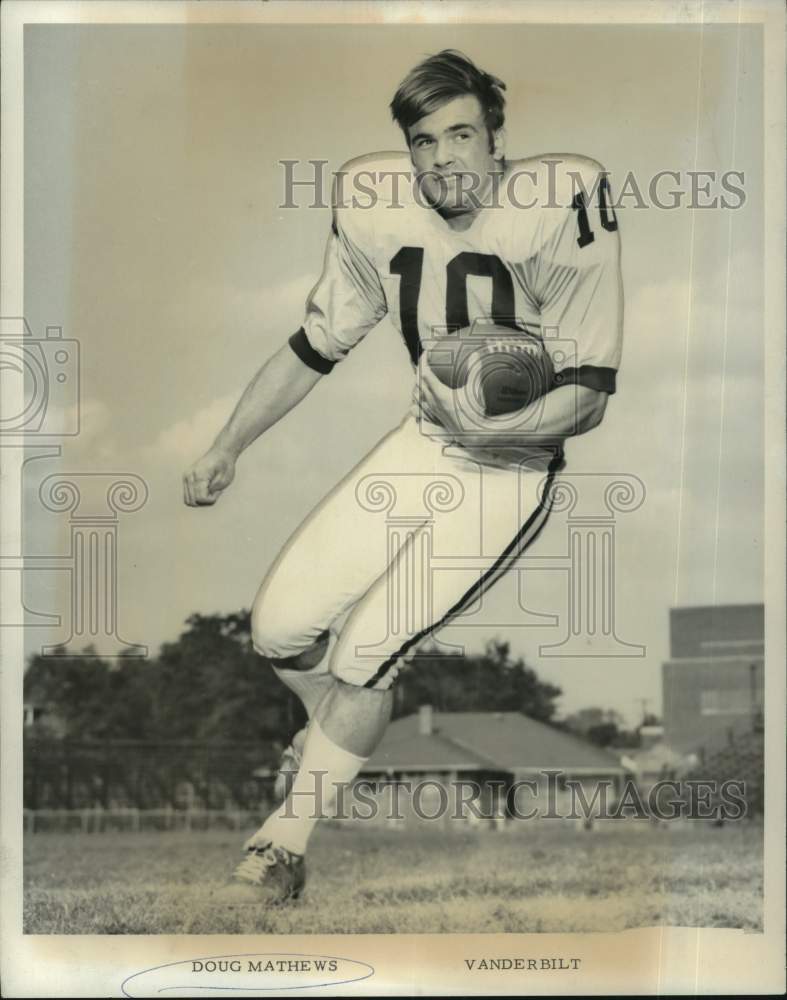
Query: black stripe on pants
point(491, 577)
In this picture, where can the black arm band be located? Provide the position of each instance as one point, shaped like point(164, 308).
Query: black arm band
point(601, 379)
point(313, 359)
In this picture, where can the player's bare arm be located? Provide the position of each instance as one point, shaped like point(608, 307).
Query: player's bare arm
point(279, 385)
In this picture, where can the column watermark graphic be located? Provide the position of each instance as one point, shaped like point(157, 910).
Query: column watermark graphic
point(589, 504)
point(410, 504)
point(93, 501)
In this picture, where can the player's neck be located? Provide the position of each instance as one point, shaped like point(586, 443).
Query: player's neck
point(462, 220)
point(459, 221)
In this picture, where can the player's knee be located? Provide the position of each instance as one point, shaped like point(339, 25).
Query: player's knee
point(274, 630)
point(279, 634)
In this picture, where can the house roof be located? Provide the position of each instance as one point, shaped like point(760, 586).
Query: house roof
point(494, 741)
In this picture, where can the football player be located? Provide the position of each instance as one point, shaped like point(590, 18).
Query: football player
point(452, 233)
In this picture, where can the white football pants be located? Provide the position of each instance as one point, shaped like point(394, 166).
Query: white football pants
point(409, 540)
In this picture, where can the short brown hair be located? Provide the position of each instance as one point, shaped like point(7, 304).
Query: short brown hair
point(441, 78)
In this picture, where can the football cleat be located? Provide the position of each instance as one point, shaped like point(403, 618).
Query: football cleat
point(288, 766)
point(268, 874)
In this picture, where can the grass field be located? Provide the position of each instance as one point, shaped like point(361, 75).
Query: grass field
point(535, 878)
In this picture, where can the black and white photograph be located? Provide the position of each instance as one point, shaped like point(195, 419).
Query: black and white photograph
point(393, 498)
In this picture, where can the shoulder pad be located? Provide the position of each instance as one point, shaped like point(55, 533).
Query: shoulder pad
point(369, 177)
point(560, 176)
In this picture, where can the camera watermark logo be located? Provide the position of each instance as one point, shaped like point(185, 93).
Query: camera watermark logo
point(46, 369)
point(499, 377)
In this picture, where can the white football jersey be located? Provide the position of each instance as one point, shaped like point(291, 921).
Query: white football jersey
point(543, 256)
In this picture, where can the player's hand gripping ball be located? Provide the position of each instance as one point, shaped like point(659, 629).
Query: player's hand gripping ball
point(502, 371)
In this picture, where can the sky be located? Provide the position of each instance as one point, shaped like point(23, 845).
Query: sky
point(154, 236)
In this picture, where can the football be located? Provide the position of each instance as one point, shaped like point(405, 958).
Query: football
point(501, 370)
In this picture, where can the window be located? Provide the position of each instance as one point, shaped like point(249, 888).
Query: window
point(725, 701)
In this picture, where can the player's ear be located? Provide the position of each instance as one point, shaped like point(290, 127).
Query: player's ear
point(499, 143)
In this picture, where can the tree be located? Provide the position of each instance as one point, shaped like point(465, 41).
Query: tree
point(602, 721)
point(491, 681)
point(86, 697)
point(207, 685)
point(604, 735)
point(211, 686)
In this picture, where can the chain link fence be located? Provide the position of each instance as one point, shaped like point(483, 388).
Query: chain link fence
point(175, 776)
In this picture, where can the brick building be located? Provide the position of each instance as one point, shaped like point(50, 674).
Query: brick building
point(713, 681)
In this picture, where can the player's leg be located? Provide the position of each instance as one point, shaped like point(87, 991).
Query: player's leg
point(307, 674)
point(329, 562)
point(326, 566)
point(324, 569)
point(273, 870)
point(351, 718)
point(308, 677)
point(507, 511)
point(346, 727)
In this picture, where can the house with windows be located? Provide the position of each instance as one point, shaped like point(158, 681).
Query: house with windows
point(492, 753)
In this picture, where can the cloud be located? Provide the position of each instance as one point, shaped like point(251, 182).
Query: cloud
point(286, 299)
point(716, 317)
point(95, 443)
point(249, 315)
point(188, 438)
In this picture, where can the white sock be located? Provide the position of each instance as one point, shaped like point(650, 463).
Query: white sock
point(310, 685)
point(313, 793)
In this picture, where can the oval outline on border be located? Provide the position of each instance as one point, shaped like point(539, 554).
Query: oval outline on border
point(225, 990)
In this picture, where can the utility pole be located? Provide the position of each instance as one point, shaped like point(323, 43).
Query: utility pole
point(644, 702)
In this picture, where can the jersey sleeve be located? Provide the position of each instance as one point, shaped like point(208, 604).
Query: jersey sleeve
point(580, 295)
point(346, 302)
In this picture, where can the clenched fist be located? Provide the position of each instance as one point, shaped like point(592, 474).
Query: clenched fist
point(208, 478)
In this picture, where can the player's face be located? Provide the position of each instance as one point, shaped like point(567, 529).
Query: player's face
point(450, 150)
